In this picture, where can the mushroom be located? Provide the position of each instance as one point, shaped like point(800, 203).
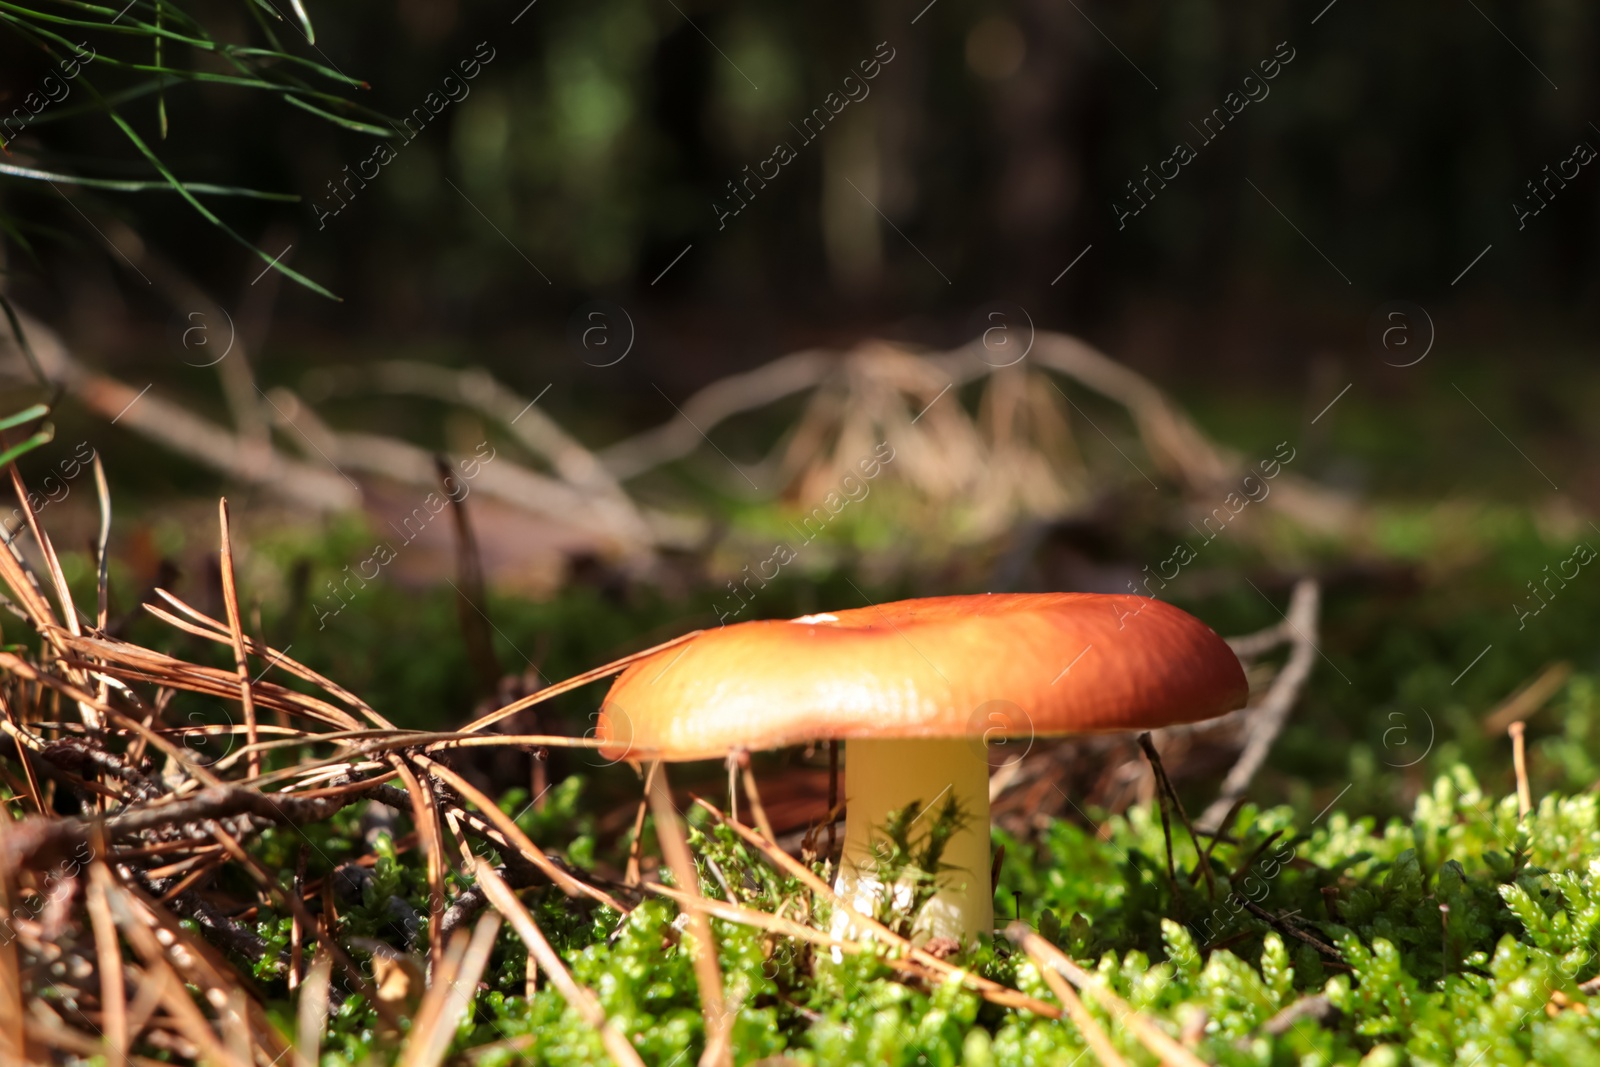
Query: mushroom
point(917, 689)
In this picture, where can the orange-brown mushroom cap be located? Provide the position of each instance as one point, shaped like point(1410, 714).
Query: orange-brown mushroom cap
point(997, 664)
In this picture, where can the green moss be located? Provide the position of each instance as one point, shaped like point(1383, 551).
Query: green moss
point(1460, 934)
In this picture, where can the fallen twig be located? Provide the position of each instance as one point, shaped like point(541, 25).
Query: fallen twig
point(35, 836)
point(1267, 718)
point(1528, 698)
point(1283, 925)
point(1317, 1007)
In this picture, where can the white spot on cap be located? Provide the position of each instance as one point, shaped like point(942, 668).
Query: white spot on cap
point(812, 620)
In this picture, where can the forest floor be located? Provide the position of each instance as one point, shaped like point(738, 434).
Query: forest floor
point(1412, 879)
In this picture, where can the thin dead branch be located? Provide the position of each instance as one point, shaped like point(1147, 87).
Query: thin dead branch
point(176, 427)
point(678, 437)
point(1266, 719)
point(1177, 446)
point(35, 837)
point(1528, 699)
point(477, 389)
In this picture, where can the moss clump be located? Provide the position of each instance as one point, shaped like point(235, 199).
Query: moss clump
point(1461, 935)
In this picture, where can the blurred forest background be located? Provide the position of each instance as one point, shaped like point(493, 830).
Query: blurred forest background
point(997, 142)
point(551, 162)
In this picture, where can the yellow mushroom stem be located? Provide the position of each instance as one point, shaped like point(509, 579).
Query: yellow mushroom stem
point(881, 776)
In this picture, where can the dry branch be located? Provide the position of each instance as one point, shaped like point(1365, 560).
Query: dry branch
point(1528, 698)
point(37, 837)
point(1519, 760)
point(1267, 718)
point(678, 437)
point(1179, 448)
point(320, 482)
point(477, 389)
point(174, 426)
point(400, 461)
